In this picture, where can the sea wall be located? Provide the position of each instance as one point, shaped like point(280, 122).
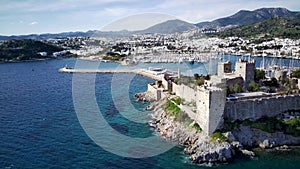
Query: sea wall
point(256, 108)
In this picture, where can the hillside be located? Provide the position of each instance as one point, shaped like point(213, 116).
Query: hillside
point(18, 50)
point(274, 27)
point(245, 17)
point(168, 27)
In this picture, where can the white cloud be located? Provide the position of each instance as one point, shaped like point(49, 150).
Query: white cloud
point(33, 23)
point(68, 15)
point(137, 22)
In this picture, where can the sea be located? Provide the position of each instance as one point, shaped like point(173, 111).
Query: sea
point(41, 127)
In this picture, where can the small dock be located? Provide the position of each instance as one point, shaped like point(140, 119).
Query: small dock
point(142, 72)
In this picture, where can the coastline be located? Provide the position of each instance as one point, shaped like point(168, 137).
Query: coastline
point(31, 60)
point(201, 149)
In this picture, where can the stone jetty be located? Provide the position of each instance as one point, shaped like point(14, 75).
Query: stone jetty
point(142, 72)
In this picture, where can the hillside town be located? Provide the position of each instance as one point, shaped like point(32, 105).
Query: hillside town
point(178, 47)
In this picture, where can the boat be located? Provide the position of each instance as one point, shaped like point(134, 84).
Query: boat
point(67, 67)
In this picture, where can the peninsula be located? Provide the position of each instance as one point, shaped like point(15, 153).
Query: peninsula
point(226, 113)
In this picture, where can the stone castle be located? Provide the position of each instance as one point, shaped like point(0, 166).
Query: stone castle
point(211, 104)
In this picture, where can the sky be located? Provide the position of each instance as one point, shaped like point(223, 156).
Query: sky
point(19, 17)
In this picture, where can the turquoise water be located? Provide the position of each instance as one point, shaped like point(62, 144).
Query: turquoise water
point(40, 129)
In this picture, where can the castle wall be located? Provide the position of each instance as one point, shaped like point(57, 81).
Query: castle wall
point(184, 92)
point(256, 108)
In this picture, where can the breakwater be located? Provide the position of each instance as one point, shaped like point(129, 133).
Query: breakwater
point(142, 72)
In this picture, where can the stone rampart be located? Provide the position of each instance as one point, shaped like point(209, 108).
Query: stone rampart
point(257, 108)
point(184, 92)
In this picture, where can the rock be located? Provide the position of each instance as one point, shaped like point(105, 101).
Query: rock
point(237, 145)
point(144, 97)
point(248, 153)
point(230, 137)
point(266, 144)
point(283, 148)
point(149, 107)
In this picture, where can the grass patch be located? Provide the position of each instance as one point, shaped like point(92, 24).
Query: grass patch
point(188, 121)
point(174, 111)
point(197, 127)
point(273, 124)
point(177, 100)
point(218, 137)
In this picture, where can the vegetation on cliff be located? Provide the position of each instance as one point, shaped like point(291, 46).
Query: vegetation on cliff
point(218, 137)
point(271, 28)
point(172, 110)
point(269, 124)
point(18, 50)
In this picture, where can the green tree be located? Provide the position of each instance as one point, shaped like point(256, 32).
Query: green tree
point(237, 88)
point(272, 83)
point(200, 81)
point(259, 74)
point(253, 87)
point(196, 76)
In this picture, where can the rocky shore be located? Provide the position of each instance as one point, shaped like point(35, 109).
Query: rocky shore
point(144, 97)
point(256, 138)
point(199, 147)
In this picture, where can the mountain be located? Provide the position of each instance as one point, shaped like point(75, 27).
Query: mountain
point(239, 19)
point(266, 29)
point(169, 27)
point(245, 17)
point(90, 33)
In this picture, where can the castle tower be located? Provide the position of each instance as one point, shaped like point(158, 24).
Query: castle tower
point(224, 67)
point(245, 69)
point(210, 105)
